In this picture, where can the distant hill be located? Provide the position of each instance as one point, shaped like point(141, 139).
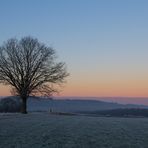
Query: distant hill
point(121, 112)
point(69, 105)
point(73, 106)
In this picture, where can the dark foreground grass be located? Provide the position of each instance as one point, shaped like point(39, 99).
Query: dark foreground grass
point(41, 130)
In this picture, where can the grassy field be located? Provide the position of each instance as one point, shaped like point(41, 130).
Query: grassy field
point(37, 130)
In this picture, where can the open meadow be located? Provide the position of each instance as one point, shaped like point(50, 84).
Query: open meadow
point(42, 130)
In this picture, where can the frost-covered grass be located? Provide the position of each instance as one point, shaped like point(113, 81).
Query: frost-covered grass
point(37, 130)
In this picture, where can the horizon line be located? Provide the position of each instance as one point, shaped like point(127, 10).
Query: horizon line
point(93, 96)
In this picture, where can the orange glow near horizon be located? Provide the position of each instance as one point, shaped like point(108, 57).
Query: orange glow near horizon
point(4, 90)
point(104, 91)
point(97, 87)
point(115, 87)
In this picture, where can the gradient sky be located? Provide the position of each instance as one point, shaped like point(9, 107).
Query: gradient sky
point(103, 42)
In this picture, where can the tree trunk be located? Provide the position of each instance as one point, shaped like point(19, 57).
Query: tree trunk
point(24, 106)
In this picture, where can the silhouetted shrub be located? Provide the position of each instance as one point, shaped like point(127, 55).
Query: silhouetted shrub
point(10, 104)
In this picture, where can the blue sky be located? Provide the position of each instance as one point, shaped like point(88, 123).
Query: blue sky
point(103, 42)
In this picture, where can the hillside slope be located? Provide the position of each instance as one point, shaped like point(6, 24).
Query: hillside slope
point(75, 105)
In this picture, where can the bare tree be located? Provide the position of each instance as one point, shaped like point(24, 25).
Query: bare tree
point(30, 68)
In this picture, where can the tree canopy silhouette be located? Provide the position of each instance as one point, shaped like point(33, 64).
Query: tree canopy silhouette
point(29, 67)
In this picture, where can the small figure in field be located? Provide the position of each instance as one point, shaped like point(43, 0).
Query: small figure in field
point(50, 110)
